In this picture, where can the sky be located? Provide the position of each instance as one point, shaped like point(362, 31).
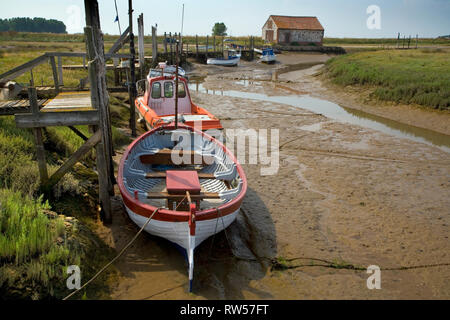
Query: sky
point(340, 18)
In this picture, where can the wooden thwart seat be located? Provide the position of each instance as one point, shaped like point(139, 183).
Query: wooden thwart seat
point(164, 156)
point(163, 175)
point(166, 195)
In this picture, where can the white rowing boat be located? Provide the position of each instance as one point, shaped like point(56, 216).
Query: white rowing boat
point(193, 180)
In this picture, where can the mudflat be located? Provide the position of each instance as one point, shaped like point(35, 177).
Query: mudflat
point(344, 197)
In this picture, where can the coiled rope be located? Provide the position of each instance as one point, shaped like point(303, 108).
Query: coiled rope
point(115, 258)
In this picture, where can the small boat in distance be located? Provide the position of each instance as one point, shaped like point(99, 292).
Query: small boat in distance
point(267, 55)
point(156, 105)
point(232, 60)
point(187, 182)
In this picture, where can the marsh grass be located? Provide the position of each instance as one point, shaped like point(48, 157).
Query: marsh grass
point(37, 245)
point(414, 76)
point(29, 241)
point(67, 142)
point(18, 167)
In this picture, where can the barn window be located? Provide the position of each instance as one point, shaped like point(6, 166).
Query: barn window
point(269, 24)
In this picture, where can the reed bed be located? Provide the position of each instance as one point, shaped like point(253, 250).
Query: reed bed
point(403, 76)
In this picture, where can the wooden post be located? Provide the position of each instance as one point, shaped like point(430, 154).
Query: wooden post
point(171, 47)
point(55, 74)
point(132, 84)
point(116, 76)
point(252, 47)
point(175, 47)
point(31, 78)
point(207, 46)
point(154, 48)
point(165, 44)
point(409, 41)
point(214, 45)
point(222, 45)
point(40, 151)
point(176, 87)
point(141, 45)
point(100, 101)
point(60, 72)
point(196, 47)
point(417, 40)
point(398, 39)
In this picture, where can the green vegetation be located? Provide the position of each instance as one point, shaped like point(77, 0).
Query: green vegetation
point(219, 29)
point(67, 142)
point(36, 244)
point(33, 248)
point(17, 169)
point(32, 25)
point(71, 41)
point(403, 76)
point(42, 74)
point(384, 41)
point(36, 247)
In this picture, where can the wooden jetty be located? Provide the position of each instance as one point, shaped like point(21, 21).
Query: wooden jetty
point(71, 107)
point(66, 109)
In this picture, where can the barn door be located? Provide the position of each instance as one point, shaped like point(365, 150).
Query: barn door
point(287, 37)
point(269, 35)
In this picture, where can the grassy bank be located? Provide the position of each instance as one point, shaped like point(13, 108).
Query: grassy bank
point(410, 77)
point(38, 244)
point(385, 41)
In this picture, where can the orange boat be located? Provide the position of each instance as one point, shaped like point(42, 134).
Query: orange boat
point(157, 105)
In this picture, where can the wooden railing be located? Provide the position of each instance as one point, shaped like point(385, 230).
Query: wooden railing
point(56, 68)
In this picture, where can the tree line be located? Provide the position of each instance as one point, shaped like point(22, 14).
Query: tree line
point(32, 25)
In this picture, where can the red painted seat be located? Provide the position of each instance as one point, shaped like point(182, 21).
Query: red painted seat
point(180, 181)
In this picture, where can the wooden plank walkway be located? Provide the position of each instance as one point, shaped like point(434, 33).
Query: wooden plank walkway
point(66, 109)
point(80, 66)
point(48, 90)
point(69, 101)
point(11, 107)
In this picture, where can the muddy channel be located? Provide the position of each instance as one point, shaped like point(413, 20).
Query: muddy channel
point(352, 189)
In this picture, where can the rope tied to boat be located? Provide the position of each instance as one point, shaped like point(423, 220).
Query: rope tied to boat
point(116, 257)
point(219, 215)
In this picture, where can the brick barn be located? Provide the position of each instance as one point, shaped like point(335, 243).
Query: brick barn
point(286, 30)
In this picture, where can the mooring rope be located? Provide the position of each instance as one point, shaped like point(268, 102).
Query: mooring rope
point(115, 258)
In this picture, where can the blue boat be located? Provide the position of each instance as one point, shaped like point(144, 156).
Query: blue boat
point(267, 55)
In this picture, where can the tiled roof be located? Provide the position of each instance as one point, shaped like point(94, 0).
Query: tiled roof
point(298, 23)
